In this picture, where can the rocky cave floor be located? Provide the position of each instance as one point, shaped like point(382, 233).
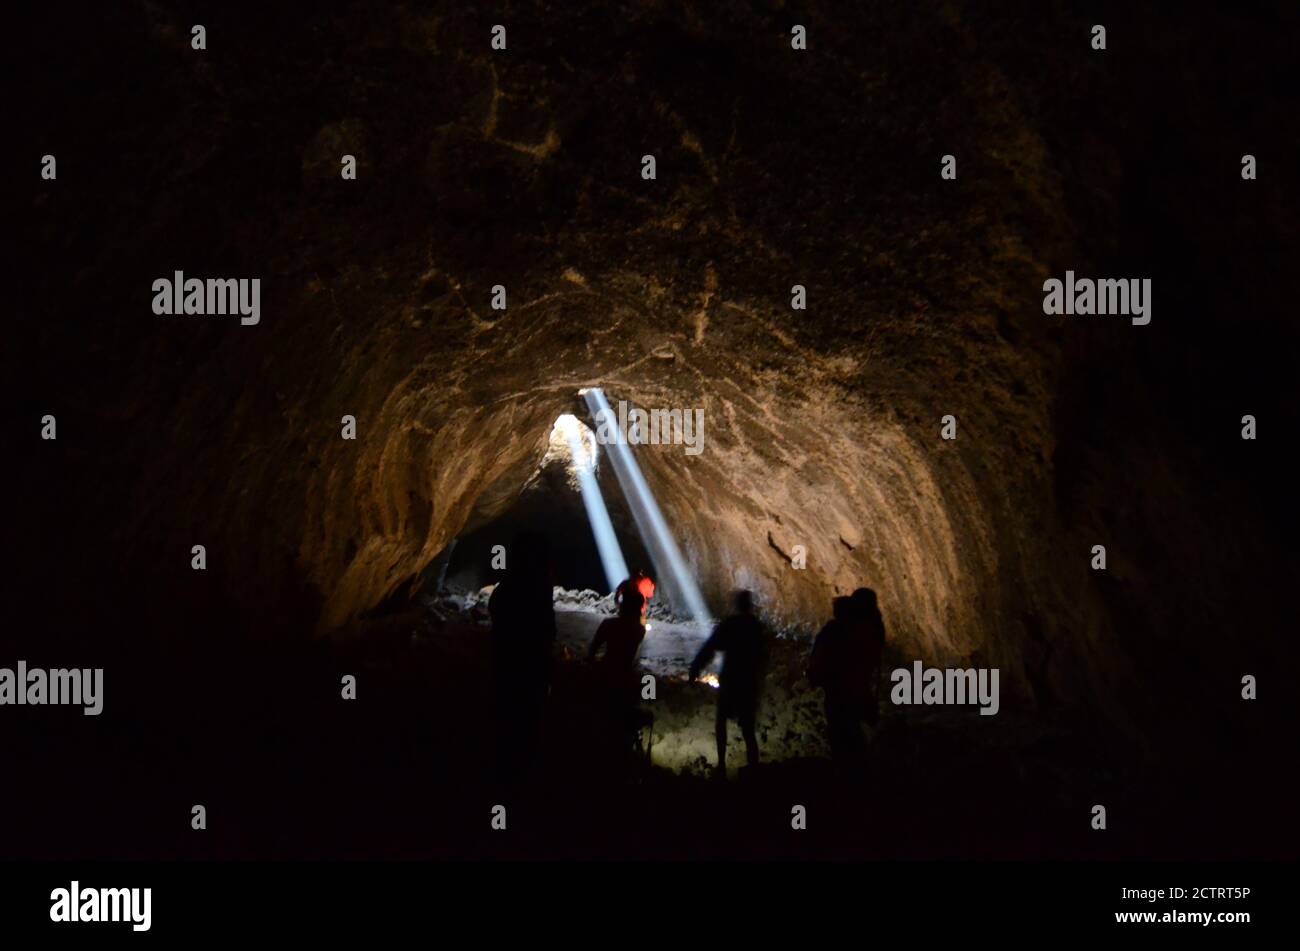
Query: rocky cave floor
point(383, 776)
point(287, 771)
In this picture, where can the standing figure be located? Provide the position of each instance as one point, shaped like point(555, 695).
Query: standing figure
point(523, 635)
point(845, 663)
point(742, 641)
point(621, 638)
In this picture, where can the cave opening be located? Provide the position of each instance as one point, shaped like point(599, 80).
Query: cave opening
point(573, 500)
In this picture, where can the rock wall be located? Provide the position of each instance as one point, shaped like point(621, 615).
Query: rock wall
point(524, 170)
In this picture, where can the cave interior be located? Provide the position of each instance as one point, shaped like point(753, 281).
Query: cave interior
point(823, 467)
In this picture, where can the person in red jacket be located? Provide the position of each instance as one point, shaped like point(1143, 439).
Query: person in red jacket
point(640, 583)
point(620, 637)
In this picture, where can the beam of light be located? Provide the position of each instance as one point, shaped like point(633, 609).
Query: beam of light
point(584, 461)
point(649, 520)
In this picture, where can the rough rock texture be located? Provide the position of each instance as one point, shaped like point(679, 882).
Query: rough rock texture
point(774, 168)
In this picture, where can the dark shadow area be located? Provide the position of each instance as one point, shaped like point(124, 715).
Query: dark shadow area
point(550, 504)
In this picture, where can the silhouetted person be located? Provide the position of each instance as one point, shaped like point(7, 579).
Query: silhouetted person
point(742, 642)
point(523, 635)
point(845, 663)
point(621, 639)
point(867, 612)
point(638, 583)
